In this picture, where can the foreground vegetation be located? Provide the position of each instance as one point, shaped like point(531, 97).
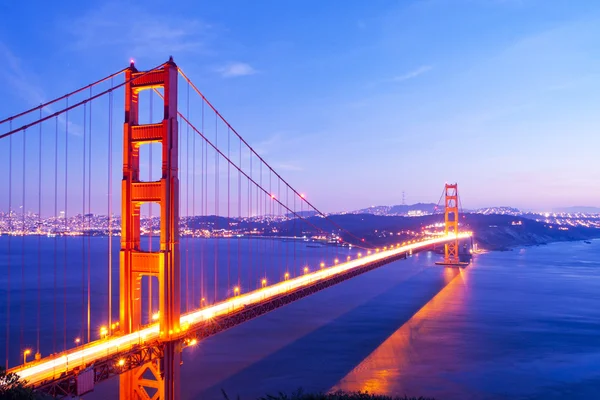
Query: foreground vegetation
point(13, 388)
point(339, 395)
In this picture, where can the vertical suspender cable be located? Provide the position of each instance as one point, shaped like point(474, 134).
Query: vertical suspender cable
point(239, 261)
point(295, 238)
point(287, 206)
point(10, 228)
point(228, 206)
point(272, 219)
point(66, 229)
point(55, 330)
point(187, 206)
point(83, 258)
point(216, 207)
point(269, 209)
point(302, 227)
point(89, 258)
point(194, 220)
point(180, 197)
point(110, 137)
point(21, 306)
point(279, 244)
point(250, 265)
point(202, 213)
point(262, 218)
point(39, 266)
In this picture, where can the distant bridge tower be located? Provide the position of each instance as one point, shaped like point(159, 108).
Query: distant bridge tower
point(158, 379)
point(451, 223)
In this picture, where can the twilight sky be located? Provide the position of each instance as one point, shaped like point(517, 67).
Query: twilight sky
point(355, 101)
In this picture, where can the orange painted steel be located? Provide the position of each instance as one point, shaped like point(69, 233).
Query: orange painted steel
point(451, 223)
point(164, 264)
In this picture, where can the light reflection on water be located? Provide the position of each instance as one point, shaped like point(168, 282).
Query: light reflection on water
point(521, 324)
point(382, 370)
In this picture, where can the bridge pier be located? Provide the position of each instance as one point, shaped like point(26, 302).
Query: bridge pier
point(157, 379)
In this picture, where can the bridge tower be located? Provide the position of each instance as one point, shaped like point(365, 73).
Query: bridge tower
point(451, 223)
point(158, 379)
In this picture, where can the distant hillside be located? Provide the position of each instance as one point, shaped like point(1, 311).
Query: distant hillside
point(400, 209)
point(578, 209)
point(404, 209)
point(499, 210)
point(492, 232)
point(302, 214)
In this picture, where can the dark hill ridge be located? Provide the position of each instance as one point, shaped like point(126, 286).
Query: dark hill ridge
point(491, 232)
point(400, 209)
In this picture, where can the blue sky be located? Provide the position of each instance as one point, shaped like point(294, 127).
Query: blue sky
point(356, 101)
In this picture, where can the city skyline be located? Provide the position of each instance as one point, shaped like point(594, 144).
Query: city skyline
point(502, 88)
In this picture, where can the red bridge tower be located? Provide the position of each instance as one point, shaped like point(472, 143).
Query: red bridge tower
point(160, 378)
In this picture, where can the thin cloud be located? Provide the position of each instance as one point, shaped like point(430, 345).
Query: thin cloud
point(412, 74)
point(26, 84)
point(146, 34)
point(236, 69)
point(16, 76)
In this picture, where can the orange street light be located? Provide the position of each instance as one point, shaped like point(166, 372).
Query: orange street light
point(286, 276)
point(25, 354)
point(322, 265)
point(305, 270)
point(103, 332)
point(236, 290)
point(77, 341)
point(264, 282)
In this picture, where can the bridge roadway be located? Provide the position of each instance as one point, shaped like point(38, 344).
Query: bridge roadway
point(116, 351)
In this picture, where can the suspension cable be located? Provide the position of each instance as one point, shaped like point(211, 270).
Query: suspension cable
point(259, 187)
point(217, 113)
point(44, 105)
point(68, 108)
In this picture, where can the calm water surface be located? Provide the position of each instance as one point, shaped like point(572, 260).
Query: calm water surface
point(521, 324)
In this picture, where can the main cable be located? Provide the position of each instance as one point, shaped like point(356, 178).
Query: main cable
point(217, 113)
point(44, 105)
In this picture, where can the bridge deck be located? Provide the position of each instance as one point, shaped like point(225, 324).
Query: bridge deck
point(117, 354)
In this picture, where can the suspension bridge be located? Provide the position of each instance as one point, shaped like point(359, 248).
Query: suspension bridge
point(208, 234)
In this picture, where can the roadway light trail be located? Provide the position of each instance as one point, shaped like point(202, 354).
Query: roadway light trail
point(53, 367)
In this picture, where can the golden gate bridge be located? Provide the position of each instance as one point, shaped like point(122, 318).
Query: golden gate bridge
point(207, 182)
